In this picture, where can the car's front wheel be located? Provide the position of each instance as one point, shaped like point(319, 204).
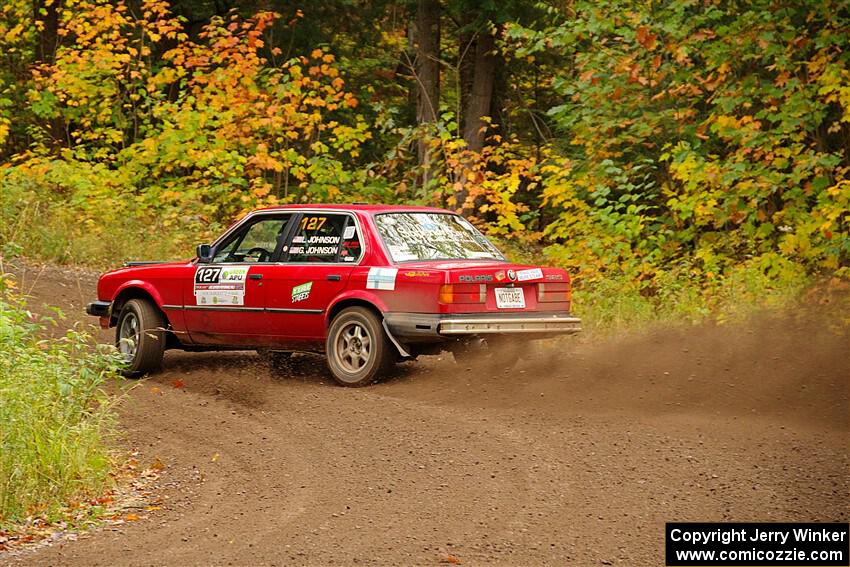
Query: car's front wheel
point(140, 337)
point(357, 348)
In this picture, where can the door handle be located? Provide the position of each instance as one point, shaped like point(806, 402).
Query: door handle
point(334, 277)
point(255, 276)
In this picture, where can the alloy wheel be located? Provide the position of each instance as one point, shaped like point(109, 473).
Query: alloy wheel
point(353, 347)
point(128, 336)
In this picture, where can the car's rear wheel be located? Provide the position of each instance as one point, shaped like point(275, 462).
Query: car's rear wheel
point(357, 348)
point(140, 337)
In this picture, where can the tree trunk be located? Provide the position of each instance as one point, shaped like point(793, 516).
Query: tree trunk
point(48, 42)
point(467, 40)
point(478, 103)
point(477, 106)
point(497, 100)
point(427, 75)
point(427, 60)
point(48, 37)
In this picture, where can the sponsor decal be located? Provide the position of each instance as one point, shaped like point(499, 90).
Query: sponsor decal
point(381, 278)
point(321, 250)
point(220, 285)
point(401, 253)
point(555, 277)
point(301, 292)
point(417, 274)
point(532, 274)
point(349, 232)
point(511, 275)
point(323, 240)
point(476, 279)
point(314, 250)
point(500, 276)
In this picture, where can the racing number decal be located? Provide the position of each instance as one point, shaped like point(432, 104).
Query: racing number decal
point(313, 223)
point(207, 275)
point(220, 285)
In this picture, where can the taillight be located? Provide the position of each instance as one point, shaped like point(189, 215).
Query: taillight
point(447, 293)
point(463, 293)
point(550, 293)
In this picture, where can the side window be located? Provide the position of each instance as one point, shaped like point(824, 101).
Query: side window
point(254, 243)
point(350, 250)
point(323, 238)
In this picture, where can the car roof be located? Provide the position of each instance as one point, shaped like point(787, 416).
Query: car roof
point(371, 209)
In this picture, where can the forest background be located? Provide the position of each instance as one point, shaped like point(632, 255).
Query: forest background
point(685, 160)
point(681, 158)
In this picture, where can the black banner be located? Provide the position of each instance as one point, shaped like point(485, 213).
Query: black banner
point(757, 544)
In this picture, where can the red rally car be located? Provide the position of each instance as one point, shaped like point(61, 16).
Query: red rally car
point(368, 285)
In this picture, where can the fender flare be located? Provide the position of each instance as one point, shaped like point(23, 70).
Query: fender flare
point(142, 285)
point(359, 295)
point(371, 299)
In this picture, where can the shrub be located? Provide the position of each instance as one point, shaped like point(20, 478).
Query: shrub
point(54, 418)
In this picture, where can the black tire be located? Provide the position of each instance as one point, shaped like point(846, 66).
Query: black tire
point(140, 336)
point(357, 348)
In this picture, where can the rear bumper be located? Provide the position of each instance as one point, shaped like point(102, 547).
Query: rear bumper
point(422, 327)
point(99, 308)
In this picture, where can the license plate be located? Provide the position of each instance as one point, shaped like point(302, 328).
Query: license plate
point(510, 298)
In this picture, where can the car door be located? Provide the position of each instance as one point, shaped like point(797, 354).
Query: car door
point(225, 301)
point(316, 263)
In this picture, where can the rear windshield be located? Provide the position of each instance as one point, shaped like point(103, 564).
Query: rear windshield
point(433, 236)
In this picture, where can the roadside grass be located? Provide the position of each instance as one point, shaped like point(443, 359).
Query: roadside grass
point(616, 303)
point(57, 232)
point(51, 230)
point(56, 424)
point(620, 304)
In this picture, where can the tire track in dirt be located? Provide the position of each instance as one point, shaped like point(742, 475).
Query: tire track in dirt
point(217, 481)
point(576, 457)
point(396, 487)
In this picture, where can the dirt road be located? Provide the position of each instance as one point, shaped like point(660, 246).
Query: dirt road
point(576, 457)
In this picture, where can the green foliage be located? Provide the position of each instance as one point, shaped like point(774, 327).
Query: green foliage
point(64, 212)
point(621, 304)
point(682, 159)
point(205, 132)
point(700, 133)
point(55, 419)
point(633, 142)
point(17, 50)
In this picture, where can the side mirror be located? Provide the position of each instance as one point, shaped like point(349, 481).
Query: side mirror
point(204, 252)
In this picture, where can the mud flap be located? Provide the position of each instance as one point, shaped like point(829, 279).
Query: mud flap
point(401, 349)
